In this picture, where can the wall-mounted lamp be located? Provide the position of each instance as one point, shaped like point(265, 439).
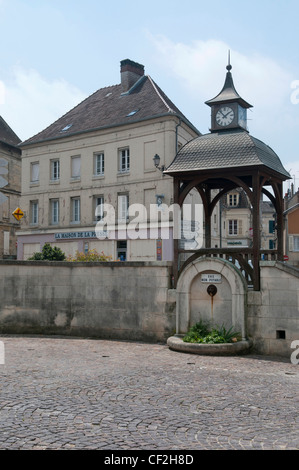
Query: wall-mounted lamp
point(157, 163)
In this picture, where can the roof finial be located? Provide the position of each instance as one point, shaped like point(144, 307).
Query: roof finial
point(228, 67)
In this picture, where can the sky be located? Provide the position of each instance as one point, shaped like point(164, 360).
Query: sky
point(55, 53)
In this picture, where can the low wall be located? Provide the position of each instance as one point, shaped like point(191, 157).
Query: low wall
point(133, 301)
point(273, 312)
point(119, 300)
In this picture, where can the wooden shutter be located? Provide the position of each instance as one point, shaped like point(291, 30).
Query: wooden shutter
point(240, 223)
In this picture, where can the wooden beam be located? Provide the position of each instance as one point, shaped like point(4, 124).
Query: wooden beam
point(175, 269)
point(256, 229)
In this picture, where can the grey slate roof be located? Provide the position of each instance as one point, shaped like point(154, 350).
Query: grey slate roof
point(110, 107)
point(225, 149)
point(7, 135)
point(228, 93)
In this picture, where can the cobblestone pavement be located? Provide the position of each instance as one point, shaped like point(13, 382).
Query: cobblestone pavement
point(91, 394)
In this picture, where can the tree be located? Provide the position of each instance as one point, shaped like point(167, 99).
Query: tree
point(49, 254)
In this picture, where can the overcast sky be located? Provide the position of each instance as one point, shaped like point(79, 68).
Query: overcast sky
point(55, 53)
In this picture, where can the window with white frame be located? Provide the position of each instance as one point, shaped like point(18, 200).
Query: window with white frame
point(55, 170)
point(233, 227)
point(54, 205)
point(233, 199)
point(34, 172)
point(76, 167)
point(99, 164)
point(34, 212)
point(123, 207)
point(99, 207)
point(124, 160)
point(294, 243)
point(75, 207)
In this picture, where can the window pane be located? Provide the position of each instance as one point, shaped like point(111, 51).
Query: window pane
point(55, 212)
point(99, 210)
point(34, 212)
point(35, 172)
point(233, 227)
point(99, 164)
point(55, 170)
point(76, 210)
point(124, 162)
point(76, 167)
point(123, 207)
point(296, 243)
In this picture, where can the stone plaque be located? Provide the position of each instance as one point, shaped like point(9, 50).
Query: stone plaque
point(211, 278)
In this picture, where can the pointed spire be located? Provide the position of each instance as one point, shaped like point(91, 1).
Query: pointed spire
point(228, 92)
point(228, 67)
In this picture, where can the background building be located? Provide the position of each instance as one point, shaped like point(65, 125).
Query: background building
point(291, 233)
point(10, 189)
point(101, 152)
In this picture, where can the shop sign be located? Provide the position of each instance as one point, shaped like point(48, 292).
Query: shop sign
point(77, 235)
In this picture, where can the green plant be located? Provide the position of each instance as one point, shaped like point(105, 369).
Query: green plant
point(197, 331)
point(49, 253)
point(202, 332)
point(89, 256)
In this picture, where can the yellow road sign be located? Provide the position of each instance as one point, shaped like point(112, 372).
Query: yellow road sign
point(18, 213)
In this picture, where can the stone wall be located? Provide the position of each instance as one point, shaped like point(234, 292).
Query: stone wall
point(273, 312)
point(119, 300)
point(134, 301)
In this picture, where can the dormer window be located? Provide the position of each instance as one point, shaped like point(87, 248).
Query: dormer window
point(132, 113)
point(66, 128)
point(233, 199)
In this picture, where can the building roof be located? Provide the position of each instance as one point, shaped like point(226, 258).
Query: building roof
point(7, 135)
point(225, 149)
point(110, 107)
point(267, 206)
point(228, 93)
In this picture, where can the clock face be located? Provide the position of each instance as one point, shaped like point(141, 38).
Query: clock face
point(225, 116)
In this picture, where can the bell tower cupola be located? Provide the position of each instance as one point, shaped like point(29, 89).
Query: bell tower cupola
point(228, 108)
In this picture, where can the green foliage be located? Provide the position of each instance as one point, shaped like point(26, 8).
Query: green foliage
point(201, 332)
point(49, 253)
point(90, 256)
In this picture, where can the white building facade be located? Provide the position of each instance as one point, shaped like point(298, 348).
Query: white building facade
point(100, 155)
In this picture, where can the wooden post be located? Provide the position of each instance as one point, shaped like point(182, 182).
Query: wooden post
point(176, 190)
point(279, 217)
point(208, 218)
point(256, 230)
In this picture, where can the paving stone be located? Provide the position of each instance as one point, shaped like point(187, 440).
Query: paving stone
point(66, 393)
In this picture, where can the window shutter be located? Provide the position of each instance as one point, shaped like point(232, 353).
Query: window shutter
point(35, 172)
point(122, 207)
point(295, 243)
point(271, 226)
point(76, 167)
point(240, 227)
point(291, 243)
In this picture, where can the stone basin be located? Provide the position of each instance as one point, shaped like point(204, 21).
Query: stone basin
point(176, 343)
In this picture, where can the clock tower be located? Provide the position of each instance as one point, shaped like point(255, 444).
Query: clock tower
point(228, 109)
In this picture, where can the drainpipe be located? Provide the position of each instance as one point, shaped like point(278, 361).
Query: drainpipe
point(220, 223)
point(176, 135)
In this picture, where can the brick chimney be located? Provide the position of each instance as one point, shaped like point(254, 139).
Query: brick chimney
point(130, 72)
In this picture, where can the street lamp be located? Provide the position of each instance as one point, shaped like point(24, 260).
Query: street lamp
point(157, 163)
